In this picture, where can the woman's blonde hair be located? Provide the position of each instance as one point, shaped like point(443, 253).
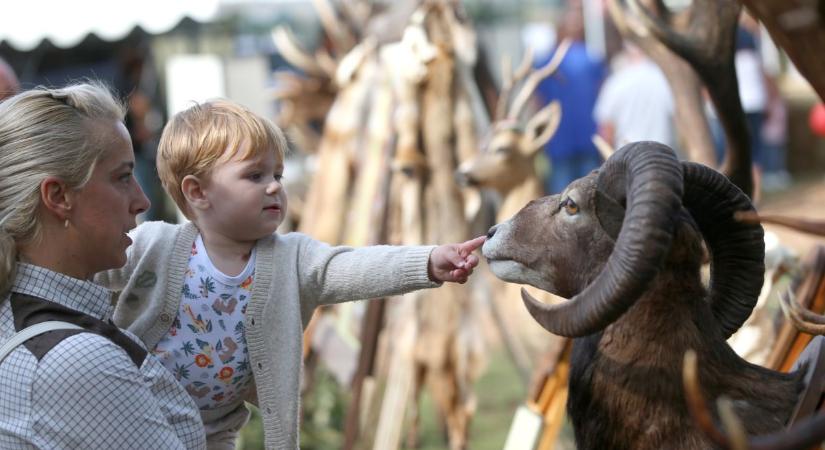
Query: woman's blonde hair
point(198, 138)
point(46, 132)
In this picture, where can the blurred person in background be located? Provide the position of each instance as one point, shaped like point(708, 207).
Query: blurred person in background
point(635, 103)
point(9, 85)
point(575, 85)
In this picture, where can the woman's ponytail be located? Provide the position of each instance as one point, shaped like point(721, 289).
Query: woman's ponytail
point(8, 261)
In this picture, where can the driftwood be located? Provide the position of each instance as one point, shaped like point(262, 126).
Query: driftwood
point(386, 159)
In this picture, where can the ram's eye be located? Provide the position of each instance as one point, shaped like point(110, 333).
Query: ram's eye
point(570, 207)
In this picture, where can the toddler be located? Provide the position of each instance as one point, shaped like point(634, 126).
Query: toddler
point(223, 300)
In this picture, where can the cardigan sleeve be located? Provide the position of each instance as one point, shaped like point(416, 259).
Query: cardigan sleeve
point(330, 274)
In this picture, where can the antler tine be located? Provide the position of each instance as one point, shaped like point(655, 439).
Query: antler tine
point(340, 35)
point(604, 148)
point(697, 406)
point(620, 18)
point(536, 77)
point(525, 65)
point(732, 424)
point(506, 87)
point(703, 45)
point(803, 319)
point(294, 54)
point(510, 79)
point(814, 227)
point(801, 436)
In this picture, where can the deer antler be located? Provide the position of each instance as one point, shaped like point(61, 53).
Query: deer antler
point(696, 401)
point(510, 79)
point(708, 44)
point(809, 226)
point(295, 55)
point(803, 435)
point(689, 113)
point(804, 320)
point(536, 77)
point(342, 38)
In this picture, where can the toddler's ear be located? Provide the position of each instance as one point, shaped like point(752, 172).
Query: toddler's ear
point(192, 188)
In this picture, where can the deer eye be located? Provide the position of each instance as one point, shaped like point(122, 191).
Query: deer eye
point(570, 207)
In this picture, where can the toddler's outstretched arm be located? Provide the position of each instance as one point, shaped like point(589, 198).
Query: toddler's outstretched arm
point(454, 262)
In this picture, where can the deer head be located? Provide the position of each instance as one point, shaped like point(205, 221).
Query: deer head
point(506, 159)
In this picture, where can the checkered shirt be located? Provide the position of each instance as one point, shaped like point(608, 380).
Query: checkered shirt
point(86, 393)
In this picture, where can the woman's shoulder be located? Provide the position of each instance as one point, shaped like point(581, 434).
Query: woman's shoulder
point(85, 358)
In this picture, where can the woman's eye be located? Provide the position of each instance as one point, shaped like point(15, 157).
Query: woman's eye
point(126, 177)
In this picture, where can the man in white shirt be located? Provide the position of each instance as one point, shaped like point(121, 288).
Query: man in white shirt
point(635, 103)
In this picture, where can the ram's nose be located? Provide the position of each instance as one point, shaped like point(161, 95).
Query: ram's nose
point(491, 232)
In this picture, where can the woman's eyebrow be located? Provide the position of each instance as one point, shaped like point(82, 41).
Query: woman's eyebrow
point(126, 165)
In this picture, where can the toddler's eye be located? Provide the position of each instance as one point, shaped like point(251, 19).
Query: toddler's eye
point(279, 177)
point(255, 176)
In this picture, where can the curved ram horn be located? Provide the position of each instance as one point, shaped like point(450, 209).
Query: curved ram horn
point(649, 176)
point(737, 249)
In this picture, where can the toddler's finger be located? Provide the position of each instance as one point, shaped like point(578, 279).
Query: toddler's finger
point(471, 261)
point(468, 246)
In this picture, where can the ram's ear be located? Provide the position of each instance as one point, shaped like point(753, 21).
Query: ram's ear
point(609, 212)
point(541, 127)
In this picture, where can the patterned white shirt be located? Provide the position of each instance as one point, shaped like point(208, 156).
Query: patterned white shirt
point(205, 348)
point(86, 392)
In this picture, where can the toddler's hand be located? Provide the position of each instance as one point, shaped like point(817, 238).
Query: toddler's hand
point(454, 262)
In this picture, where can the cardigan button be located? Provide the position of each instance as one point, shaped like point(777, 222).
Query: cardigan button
point(268, 410)
point(252, 321)
point(165, 318)
point(260, 366)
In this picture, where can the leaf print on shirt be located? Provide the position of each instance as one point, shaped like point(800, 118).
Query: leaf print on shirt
point(187, 293)
point(240, 332)
point(224, 305)
point(247, 283)
point(207, 286)
point(188, 348)
point(181, 371)
point(146, 279)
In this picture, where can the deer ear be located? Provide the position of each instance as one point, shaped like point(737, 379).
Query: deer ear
point(542, 126)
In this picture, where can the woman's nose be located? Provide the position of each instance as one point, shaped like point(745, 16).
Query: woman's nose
point(141, 203)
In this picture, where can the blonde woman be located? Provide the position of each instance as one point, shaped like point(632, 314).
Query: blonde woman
point(67, 198)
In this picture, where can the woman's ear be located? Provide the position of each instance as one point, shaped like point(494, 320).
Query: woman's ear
point(56, 197)
point(193, 190)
